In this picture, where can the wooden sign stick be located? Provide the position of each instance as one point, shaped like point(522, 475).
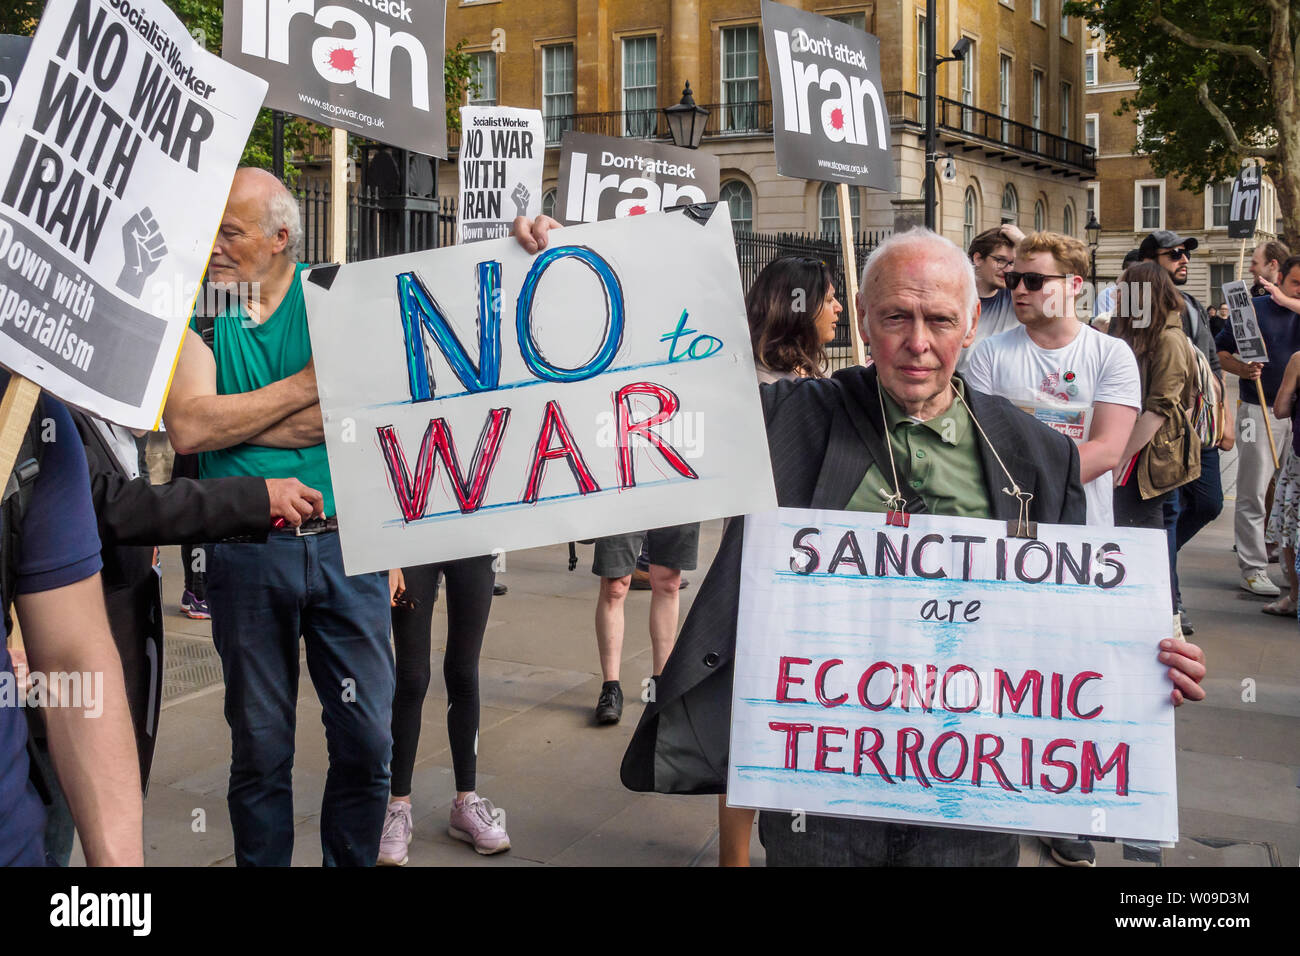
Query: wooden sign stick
point(1268, 428)
point(339, 195)
point(850, 273)
point(15, 413)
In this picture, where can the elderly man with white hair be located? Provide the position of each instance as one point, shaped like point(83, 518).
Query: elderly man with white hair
point(952, 448)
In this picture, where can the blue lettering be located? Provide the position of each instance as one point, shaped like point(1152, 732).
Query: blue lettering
point(421, 313)
point(613, 336)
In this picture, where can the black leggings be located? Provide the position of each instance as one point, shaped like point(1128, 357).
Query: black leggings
point(469, 599)
point(1134, 511)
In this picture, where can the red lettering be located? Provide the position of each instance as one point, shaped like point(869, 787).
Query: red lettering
point(819, 685)
point(1002, 687)
point(871, 672)
point(943, 690)
point(668, 405)
point(1065, 765)
point(989, 760)
point(823, 749)
point(553, 424)
point(1056, 696)
point(1072, 697)
point(871, 753)
point(784, 680)
point(909, 687)
point(1091, 768)
point(792, 732)
point(412, 492)
point(910, 751)
point(1027, 763)
point(961, 760)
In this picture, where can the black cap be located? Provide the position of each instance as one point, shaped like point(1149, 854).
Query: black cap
point(1165, 239)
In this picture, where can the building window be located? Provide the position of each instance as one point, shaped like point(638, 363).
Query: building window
point(1065, 110)
point(740, 78)
point(856, 20)
point(1094, 201)
point(969, 222)
point(1140, 127)
point(558, 101)
point(1219, 276)
point(921, 57)
point(1004, 93)
point(1090, 68)
point(740, 201)
point(1040, 216)
point(1065, 22)
point(1220, 198)
point(1036, 10)
point(640, 88)
point(1036, 105)
point(1148, 202)
point(1010, 204)
point(1090, 130)
point(1067, 220)
point(968, 88)
point(548, 203)
point(484, 78)
point(830, 209)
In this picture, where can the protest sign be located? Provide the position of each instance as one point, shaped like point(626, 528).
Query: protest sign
point(501, 154)
point(1245, 324)
point(13, 54)
point(945, 674)
point(828, 108)
point(1243, 208)
point(608, 177)
point(477, 398)
point(374, 67)
point(116, 154)
point(1071, 420)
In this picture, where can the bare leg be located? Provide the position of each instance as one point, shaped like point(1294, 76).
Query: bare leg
point(734, 826)
point(609, 624)
point(664, 585)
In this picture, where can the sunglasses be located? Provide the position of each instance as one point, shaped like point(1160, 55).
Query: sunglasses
point(1176, 254)
point(1033, 280)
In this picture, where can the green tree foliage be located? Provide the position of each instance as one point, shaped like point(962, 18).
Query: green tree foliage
point(1216, 86)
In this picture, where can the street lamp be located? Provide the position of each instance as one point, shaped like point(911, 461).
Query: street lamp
point(686, 121)
point(959, 51)
point(1093, 231)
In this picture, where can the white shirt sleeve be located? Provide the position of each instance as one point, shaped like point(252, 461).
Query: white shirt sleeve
point(1119, 382)
point(979, 368)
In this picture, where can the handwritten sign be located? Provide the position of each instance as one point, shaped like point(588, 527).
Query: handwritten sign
point(1245, 324)
point(609, 177)
point(501, 156)
point(945, 674)
point(116, 153)
point(477, 398)
point(828, 106)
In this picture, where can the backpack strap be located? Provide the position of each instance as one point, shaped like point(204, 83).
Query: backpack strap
point(13, 508)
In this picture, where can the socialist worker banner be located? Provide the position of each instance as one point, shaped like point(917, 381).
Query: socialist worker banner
point(609, 177)
point(501, 153)
point(828, 106)
point(116, 153)
point(944, 673)
point(372, 67)
point(478, 399)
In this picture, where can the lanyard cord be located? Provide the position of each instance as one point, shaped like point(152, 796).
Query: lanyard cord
point(896, 501)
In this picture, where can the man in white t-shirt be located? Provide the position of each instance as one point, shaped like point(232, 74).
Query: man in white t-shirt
point(1076, 379)
point(991, 253)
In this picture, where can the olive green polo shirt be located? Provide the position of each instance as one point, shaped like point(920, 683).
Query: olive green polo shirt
point(937, 460)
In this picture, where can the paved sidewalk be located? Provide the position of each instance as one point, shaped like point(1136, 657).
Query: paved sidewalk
point(555, 773)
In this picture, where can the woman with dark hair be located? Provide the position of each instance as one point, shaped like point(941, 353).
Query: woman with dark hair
point(792, 313)
point(1163, 451)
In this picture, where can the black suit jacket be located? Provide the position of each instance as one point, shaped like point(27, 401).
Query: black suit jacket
point(822, 435)
point(133, 516)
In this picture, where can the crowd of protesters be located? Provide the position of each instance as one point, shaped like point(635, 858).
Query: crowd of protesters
point(987, 337)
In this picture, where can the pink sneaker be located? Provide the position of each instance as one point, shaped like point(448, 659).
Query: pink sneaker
point(397, 834)
point(475, 821)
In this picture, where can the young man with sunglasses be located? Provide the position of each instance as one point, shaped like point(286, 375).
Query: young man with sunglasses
point(1053, 361)
point(991, 254)
point(1198, 502)
point(1280, 329)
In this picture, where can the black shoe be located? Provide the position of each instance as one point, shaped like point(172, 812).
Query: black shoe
point(610, 706)
point(1071, 852)
point(499, 589)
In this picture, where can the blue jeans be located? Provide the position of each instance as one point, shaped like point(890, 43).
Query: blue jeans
point(262, 597)
point(835, 841)
point(1191, 507)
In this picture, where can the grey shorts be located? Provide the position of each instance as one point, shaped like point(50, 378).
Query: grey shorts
point(677, 548)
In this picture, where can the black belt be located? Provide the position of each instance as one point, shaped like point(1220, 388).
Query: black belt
point(311, 526)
